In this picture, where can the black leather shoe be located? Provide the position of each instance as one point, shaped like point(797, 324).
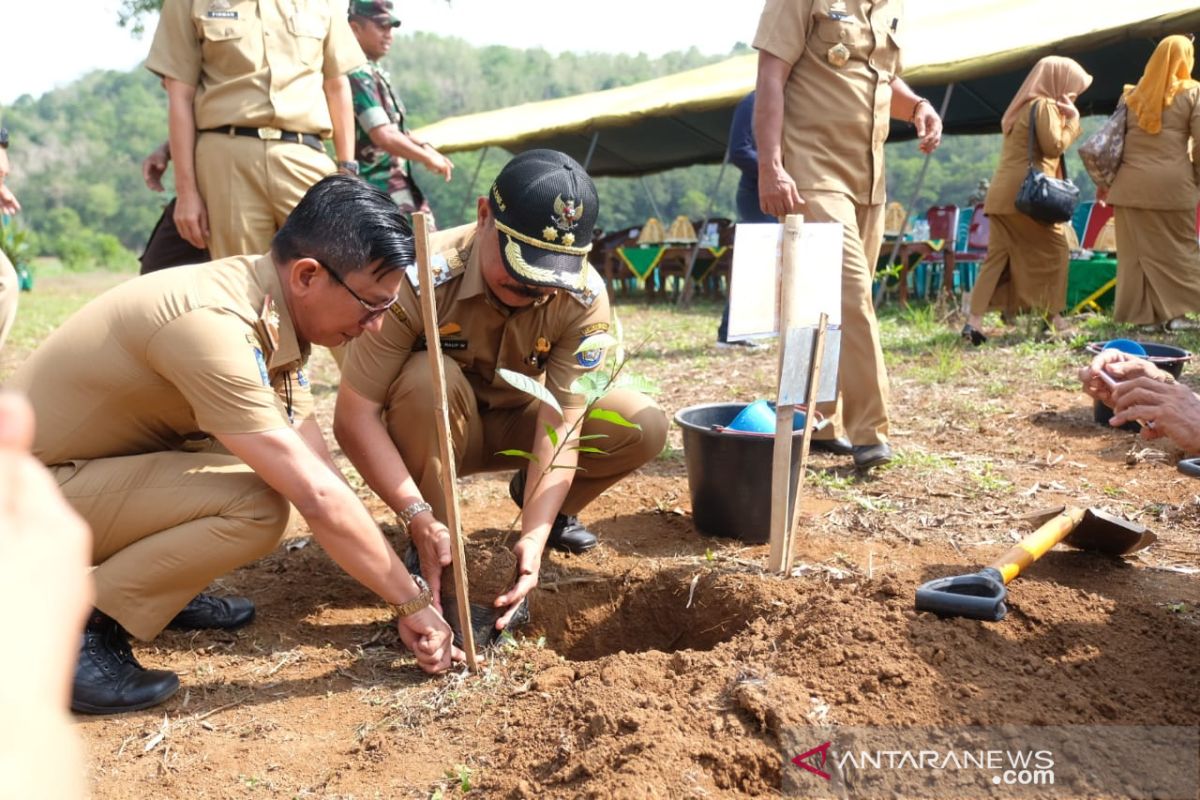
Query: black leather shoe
point(108, 679)
point(973, 335)
point(567, 534)
point(871, 455)
point(840, 446)
point(209, 611)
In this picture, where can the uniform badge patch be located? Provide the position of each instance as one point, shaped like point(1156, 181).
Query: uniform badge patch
point(262, 366)
point(301, 378)
point(588, 357)
point(594, 328)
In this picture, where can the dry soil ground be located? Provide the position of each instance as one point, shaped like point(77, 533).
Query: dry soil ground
point(667, 664)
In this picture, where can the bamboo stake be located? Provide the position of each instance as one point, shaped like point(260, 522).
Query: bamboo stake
point(433, 340)
point(781, 465)
point(810, 404)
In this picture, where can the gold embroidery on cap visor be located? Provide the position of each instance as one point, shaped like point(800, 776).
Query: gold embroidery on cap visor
point(537, 275)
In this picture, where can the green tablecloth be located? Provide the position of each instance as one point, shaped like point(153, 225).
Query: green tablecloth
point(1087, 276)
point(643, 260)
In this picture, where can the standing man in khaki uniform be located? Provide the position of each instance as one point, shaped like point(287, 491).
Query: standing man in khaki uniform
point(828, 81)
point(245, 81)
point(10, 285)
point(175, 415)
point(514, 291)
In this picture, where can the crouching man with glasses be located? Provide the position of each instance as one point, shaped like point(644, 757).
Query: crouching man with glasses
point(176, 417)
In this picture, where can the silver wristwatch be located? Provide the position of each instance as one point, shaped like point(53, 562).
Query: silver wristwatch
point(409, 512)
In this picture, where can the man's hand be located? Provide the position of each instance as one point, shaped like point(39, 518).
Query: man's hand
point(430, 639)
point(432, 540)
point(8, 201)
point(154, 165)
point(1119, 366)
point(529, 561)
point(777, 194)
point(1102, 195)
point(191, 218)
point(437, 163)
point(929, 127)
point(1164, 409)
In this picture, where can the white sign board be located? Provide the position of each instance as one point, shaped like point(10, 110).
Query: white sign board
point(755, 275)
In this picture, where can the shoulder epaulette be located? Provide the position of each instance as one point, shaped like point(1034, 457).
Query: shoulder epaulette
point(446, 265)
point(595, 287)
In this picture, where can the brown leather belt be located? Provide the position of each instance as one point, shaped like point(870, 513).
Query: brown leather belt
point(271, 135)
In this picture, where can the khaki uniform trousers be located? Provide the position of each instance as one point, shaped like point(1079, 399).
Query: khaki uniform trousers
point(249, 186)
point(861, 409)
point(478, 435)
point(164, 525)
point(10, 289)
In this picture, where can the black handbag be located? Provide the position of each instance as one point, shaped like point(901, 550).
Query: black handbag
point(1042, 197)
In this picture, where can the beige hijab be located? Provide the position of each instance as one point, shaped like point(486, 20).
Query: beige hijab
point(1168, 72)
point(1053, 78)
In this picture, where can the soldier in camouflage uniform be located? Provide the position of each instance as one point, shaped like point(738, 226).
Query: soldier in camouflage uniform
point(383, 146)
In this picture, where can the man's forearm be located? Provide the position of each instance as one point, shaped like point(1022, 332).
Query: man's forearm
point(547, 488)
point(341, 112)
point(397, 143)
point(768, 110)
point(364, 439)
point(181, 139)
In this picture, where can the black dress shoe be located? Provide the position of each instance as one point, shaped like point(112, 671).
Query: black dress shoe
point(209, 611)
point(108, 679)
point(839, 446)
point(973, 335)
point(567, 534)
point(871, 455)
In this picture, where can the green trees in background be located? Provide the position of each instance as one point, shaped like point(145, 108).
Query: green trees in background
point(77, 151)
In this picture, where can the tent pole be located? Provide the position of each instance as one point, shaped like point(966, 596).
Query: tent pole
point(470, 195)
point(915, 194)
point(685, 296)
point(650, 197)
point(587, 162)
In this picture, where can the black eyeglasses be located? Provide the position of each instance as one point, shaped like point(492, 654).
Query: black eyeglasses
point(374, 312)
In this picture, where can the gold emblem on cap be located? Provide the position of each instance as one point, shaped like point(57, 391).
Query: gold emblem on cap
point(551, 234)
point(568, 239)
point(566, 213)
point(838, 55)
point(499, 199)
point(547, 277)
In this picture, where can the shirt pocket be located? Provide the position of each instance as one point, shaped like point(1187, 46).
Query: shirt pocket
point(224, 45)
point(848, 32)
point(308, 32)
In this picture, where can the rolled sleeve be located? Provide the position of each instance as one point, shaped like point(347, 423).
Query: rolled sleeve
point(175, 51)
point(343, 54)
point(783, 29)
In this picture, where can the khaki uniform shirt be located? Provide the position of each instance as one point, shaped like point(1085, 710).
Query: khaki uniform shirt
point(256, 63)
point(837, 101)
point(1155, 171)
point(1052, 138)
point(163, 360)
point(481, 334)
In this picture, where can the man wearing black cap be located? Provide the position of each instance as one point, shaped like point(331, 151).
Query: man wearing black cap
point(383, 147)
point(514, 291)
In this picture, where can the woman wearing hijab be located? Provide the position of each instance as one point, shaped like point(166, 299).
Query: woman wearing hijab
point(1155, 193)
point(1026, 263)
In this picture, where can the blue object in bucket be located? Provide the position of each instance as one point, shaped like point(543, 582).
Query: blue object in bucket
point(759, 417)
point(1125, 346)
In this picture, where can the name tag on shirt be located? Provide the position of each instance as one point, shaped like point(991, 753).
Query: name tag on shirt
point(222, 15)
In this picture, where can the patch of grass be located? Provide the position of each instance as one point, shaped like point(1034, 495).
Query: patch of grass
point(829, 479)
point(919, 460)
point(988, 480)
point(945, 363)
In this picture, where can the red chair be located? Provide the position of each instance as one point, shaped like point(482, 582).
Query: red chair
point(1096, 220)
point(943, 224)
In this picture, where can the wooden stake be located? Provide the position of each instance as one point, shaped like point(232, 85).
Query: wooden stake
point(781, 465)
point(810, 404)
point(433, 341)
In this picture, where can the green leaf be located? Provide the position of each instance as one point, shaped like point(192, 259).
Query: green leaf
point(530, 387)
point(566, 466)
point(612, 416)
point(519, 454)
point(592, 385)
point(593, 436)
point(552, 433)
point(600, 341)
point(584, 449)
point(637, 383)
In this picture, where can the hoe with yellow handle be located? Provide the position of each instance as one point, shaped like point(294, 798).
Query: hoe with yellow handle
point(981, 595)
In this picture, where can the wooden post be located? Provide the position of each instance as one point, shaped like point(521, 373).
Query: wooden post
point(810, 403)
point(781, 472)
point(433, 340)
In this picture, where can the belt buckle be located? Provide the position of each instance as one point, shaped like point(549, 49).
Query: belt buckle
point(270, 134)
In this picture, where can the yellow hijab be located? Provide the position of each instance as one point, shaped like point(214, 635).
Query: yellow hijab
point(1168, 72)
point(1053, 78)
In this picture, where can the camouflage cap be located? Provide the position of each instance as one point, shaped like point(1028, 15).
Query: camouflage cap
point(378, 10)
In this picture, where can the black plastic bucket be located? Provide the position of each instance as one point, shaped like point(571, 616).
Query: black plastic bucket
point(729, 473)
point(1166, 357)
